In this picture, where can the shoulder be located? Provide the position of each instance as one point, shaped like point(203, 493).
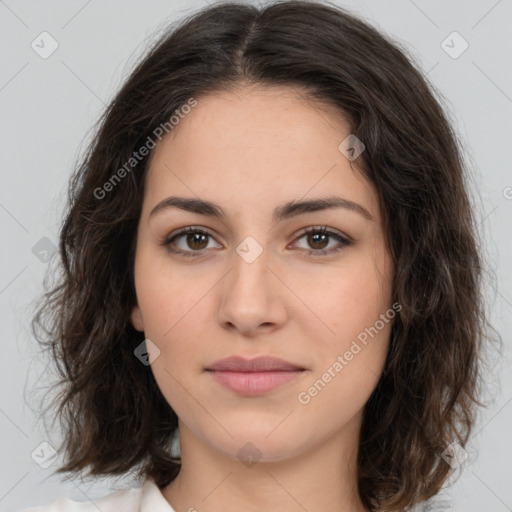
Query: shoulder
point(126, 500)
point(147, 498)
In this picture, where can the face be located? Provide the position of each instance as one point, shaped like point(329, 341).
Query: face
point(309, 286)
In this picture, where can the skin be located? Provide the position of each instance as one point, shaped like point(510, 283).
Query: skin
point(249, 151)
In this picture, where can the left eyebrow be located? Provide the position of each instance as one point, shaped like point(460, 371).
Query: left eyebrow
point(282, 212)
point(293, 208)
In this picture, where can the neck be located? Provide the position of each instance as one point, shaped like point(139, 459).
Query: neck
point(323, 478)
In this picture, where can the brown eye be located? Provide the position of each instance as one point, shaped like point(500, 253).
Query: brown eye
point(318, 239)
point(190, 241)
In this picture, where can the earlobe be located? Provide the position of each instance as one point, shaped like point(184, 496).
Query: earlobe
point(136, 318)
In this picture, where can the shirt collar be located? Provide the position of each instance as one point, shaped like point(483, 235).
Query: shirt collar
point(152, 499)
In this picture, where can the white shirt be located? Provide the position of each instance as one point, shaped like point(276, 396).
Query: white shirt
point(147, 498)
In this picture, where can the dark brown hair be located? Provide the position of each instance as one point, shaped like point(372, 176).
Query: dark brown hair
point(114, 416)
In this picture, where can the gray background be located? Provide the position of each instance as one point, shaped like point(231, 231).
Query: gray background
point(49, 107)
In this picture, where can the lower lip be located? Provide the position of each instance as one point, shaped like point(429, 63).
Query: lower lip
point(254, 383)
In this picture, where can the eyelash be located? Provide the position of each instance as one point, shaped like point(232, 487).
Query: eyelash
point(343, 242)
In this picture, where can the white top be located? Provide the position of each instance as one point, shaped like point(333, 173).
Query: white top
point(147, 498)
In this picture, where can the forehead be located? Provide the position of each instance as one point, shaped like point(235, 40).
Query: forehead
point(254, 146)
point(260, 118)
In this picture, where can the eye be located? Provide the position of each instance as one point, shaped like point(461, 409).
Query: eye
point(193, 238)
point(319, 237)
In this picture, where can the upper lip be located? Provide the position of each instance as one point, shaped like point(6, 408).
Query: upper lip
point(258, 364)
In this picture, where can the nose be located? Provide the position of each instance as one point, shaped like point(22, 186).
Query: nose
point(253, 296)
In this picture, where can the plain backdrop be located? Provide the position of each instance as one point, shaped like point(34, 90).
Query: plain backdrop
point(49, 104)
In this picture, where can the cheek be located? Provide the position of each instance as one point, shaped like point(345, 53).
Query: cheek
point(170, 296)
point(357, 303)
point(352, 339)
point(173, 314)
point(357, 308)
point(344, 299)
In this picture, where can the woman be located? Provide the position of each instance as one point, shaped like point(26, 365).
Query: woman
point(270, 256)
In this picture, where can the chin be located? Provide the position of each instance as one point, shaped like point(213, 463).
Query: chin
point(256, 445)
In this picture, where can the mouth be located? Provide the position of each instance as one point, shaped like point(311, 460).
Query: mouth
point(251, 377)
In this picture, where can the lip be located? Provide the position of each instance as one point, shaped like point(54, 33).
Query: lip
point(258, 364)
point(251, 377)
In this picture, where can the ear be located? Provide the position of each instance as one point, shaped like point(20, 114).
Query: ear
point(136, 318)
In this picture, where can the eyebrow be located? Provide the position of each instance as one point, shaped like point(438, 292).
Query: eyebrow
point(282, 212)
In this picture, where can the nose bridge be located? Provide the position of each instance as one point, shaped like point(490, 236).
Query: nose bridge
point(250, 273)
point(249, 293)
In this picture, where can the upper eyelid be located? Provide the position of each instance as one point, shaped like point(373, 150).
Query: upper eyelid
point(183, 231)
point(327, 229)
